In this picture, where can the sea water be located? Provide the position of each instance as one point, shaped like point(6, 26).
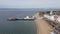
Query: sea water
point(16, 27)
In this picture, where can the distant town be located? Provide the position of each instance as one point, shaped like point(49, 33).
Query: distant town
point(50, 22)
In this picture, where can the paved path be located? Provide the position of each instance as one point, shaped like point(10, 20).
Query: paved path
point(42, 25)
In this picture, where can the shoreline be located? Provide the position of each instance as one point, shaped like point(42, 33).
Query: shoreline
point(42, 26)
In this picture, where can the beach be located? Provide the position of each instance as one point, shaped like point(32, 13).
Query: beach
point(42, 26)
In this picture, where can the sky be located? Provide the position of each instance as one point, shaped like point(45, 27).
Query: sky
point(29, 3)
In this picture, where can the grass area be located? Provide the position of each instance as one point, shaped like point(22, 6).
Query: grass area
point(57, 24)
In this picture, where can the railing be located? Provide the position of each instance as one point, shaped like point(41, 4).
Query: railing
point(56, 29)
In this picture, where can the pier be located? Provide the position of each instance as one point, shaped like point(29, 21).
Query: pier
point(25, 18)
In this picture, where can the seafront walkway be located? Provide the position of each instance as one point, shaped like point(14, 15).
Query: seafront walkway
point(42, 26)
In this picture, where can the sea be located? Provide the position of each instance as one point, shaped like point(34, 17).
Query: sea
point(19, 26)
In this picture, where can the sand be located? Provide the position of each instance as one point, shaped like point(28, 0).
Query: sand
point(42, 26)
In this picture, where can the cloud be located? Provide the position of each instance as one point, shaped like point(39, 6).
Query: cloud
point(30, 3)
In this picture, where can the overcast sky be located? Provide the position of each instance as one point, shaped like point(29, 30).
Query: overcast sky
point(29, 3)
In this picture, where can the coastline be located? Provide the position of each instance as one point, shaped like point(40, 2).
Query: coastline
point(42, 26)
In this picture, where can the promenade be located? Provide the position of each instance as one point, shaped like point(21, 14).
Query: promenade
point(42, 26)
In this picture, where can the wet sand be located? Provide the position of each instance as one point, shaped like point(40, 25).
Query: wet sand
point(42, 26)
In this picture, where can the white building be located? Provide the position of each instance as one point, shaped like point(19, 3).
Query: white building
point(52, 17)
point(58, 19)
point(27, 17)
